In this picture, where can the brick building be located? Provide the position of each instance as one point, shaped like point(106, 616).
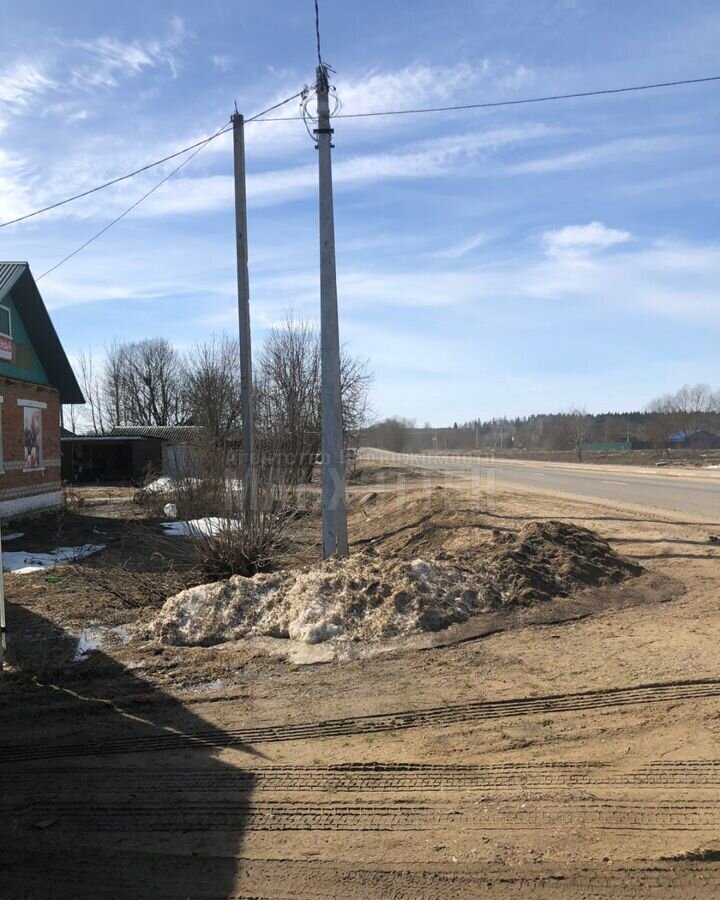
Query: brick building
point(35, 379)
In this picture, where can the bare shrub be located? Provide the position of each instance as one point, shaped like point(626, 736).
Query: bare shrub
point(142, 570)
point(72, 499)
point(234, 540)
point(227, 539)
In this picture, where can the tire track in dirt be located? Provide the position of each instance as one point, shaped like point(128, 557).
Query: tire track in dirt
point(291, 879)
point(489, 880)
point(138, 816)
point(431, 717)
point(363, 778)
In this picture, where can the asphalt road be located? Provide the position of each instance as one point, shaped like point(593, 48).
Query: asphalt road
point(689, 495)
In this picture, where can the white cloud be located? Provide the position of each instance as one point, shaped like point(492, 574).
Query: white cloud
point(14, 185)
point(424, 85)
point(112, 59)
point(669, 278)
point(21, 83)
point(576, 239)
point(432, 158)
point(222, 62)
point(464, 247)
point(622, 150)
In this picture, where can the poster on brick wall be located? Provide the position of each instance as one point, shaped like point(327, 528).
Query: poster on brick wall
point(32, 437)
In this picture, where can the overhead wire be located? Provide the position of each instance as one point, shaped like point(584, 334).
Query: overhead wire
point(317, 33)
point(262, 117)
point(198, 148)
point(158, 162)
point(126, 212)
point(498, 103)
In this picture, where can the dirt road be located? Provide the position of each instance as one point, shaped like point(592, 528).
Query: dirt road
point(568, 760)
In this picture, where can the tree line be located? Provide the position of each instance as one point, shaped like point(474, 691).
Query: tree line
point(152, 383)
point(690, 410)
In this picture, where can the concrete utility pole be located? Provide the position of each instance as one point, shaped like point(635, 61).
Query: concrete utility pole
point(334, 512)
point(243, 279)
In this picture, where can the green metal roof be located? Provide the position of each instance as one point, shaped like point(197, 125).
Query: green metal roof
point(9, 274)
point(173, 434)
point(16, 278)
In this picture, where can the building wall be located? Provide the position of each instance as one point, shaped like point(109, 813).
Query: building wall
point(25, 363)
point(24, 489)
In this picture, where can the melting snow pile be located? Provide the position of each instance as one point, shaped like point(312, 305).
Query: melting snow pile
point(96, 636)
point(361, 597)
point(22, 562)
point(199, 527)
point(368, 597)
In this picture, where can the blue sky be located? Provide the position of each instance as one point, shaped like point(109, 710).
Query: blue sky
point(490, 262)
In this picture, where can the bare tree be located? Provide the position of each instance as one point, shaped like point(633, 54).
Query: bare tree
point(578, 423)
point(152, 384)
point(687, 411)
point(213, 387)
point(287, 382)
point(115, 384)
point(288, 394)
point(91, 384)
point(356, 379)
point(692, 406)
point(392, 433)
point(71, 416)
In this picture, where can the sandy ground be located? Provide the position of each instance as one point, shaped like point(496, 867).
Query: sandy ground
point(560, 760)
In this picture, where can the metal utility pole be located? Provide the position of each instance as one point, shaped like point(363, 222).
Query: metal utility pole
point(246, 387)
point(334, 511)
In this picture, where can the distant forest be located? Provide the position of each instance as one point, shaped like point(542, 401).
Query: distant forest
point(682, 418)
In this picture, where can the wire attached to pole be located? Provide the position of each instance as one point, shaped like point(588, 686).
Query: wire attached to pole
point(152, 165)
point(128, 210)
point(494, 104)
point(160, 183)
point(317, 33)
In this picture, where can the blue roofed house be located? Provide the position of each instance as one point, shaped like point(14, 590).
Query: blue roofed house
point(695, 440)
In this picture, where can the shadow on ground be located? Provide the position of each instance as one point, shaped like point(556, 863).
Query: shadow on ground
point(104, 791)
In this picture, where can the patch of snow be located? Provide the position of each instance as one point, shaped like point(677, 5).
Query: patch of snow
point(122, 632)
point(421, 570)
point(13, 536)
point(22, 562)
point(350, 599)
point(96, 636)
point(90, 639)
point(160, 485)
point(199, 527)
point(170, 510)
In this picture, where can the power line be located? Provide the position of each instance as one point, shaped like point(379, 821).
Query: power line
point(113, 181)
point(152, 190)
point(128, 210)
point(497, 103)
point(392, 112)
point(152, 165)
point(317, 32)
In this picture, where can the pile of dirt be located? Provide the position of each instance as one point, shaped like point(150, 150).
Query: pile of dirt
point(367, 473)
point(551, 559)
point(370, 597)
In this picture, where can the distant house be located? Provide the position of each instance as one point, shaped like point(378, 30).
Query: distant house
point(35, 380)
point(129, 453)
point(695, 440)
